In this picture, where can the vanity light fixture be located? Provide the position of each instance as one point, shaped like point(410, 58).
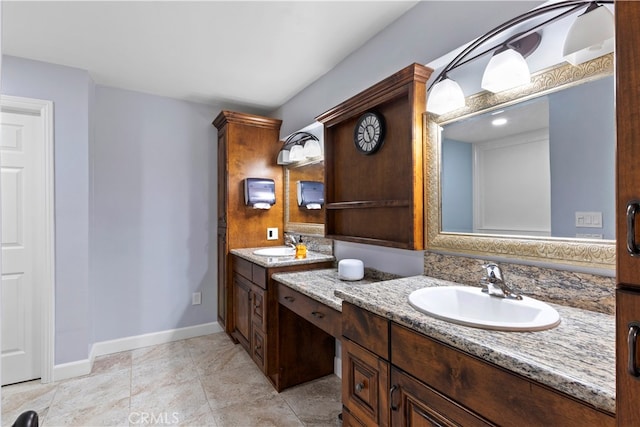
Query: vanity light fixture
point(590, 36)
point(446, 95)
point(507, 69)
point(299, 146)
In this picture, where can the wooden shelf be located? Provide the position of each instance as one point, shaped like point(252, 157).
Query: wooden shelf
point(378, 199)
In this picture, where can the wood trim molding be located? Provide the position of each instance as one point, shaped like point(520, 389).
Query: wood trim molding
point(227, 116)
point(380, 92)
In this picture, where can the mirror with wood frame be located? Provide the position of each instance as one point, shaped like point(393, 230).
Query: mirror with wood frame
point(300, 219)
point(467, 214)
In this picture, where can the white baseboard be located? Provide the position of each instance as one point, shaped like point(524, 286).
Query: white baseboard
point(83, 367)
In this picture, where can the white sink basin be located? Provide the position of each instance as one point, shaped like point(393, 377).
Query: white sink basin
point(276, 251)
point(469, 306)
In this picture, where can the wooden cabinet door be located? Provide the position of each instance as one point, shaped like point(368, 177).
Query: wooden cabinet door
point(627, 15)
point(415, 404)
point(365, 384)
point(242, 310)
point(627, 359)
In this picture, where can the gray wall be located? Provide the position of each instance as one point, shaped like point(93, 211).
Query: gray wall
point(457, 186)
point(135, 188)
point(70, 90)
point(152, 197)
point(426, 32)
point(582, 152)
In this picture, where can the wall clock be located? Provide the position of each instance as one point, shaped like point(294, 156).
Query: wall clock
point(368, 134)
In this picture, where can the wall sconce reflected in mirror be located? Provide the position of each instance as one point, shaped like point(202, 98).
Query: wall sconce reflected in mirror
point(299, 146)
point(590, 36)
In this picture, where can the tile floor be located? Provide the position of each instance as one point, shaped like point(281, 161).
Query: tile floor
point(203, 381)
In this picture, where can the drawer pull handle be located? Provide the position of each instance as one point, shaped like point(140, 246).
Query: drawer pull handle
point(317, 314)
point(258, 347)
point(632, 340)
point(289, 298)
point(359, 387)
point(632, 210)
point(391, 391)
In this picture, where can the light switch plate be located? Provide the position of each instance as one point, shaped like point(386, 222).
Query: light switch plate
point(589, 219)
point(196, 298)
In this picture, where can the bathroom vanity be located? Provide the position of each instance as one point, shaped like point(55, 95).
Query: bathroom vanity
point(255, 320)
point(402, 367)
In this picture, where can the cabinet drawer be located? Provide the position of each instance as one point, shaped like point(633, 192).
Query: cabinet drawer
point(367, 329)
point(416, 404)
point(259, 275)
point(480, 386)
point(258, 308)
point(365, 384)
point(258, 347)
point(322, 316)
point(242, 267)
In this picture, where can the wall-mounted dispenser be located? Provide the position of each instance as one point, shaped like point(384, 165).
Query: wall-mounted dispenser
point(259, 193)
point(310, 194)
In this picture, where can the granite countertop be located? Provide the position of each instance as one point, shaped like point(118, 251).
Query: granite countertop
point(577, 357)
point(322, 284)
point(280, 261)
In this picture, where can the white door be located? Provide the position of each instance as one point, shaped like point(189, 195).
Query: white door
point(22, 186)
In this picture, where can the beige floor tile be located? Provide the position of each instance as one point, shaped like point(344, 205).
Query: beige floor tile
point(266, 412)
point(32, 395)
point(86, 392)
point(203, 381)
point(111, 363)
point(222, 359)
point(162, 373)
point(235, 386)
point(179, 402)
point(112, 413)
point(317, 402)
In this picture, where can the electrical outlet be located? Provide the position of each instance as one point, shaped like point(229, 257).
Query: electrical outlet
point(196, 298)
point(272, 233)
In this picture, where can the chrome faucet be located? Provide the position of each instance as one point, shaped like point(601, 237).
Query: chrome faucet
point(290, 241)
point(494, 284)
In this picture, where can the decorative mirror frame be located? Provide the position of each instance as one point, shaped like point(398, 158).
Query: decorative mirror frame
point(583, 252)
point(308, 229)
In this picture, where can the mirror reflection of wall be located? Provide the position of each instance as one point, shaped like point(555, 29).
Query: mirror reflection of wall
point(539, 173)
point(300, 214)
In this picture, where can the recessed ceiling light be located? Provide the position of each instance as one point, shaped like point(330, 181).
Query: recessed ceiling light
point(499, 122)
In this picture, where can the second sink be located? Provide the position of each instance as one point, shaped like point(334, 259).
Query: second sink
point(275, 251)
point(469, 306)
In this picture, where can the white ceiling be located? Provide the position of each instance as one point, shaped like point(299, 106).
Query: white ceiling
point(256, 54)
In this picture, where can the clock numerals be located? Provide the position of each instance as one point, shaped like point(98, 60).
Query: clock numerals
point(369, 133)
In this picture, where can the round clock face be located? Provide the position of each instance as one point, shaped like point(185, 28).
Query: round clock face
point(368, 135)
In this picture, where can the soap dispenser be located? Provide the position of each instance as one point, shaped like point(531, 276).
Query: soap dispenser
point(301, 249)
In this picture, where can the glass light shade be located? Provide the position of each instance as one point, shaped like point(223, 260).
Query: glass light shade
point(283, 157)
point(505, 70)
point(445, 96)
point(590, 36)
point(312, 149)
point(296, 153)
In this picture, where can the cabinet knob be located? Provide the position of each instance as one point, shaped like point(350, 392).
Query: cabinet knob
point(317, 314)
point(289, 298)
point(359, 387)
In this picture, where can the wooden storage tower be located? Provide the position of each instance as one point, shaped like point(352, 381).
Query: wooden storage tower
point(248, 146)
point(378, 198)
